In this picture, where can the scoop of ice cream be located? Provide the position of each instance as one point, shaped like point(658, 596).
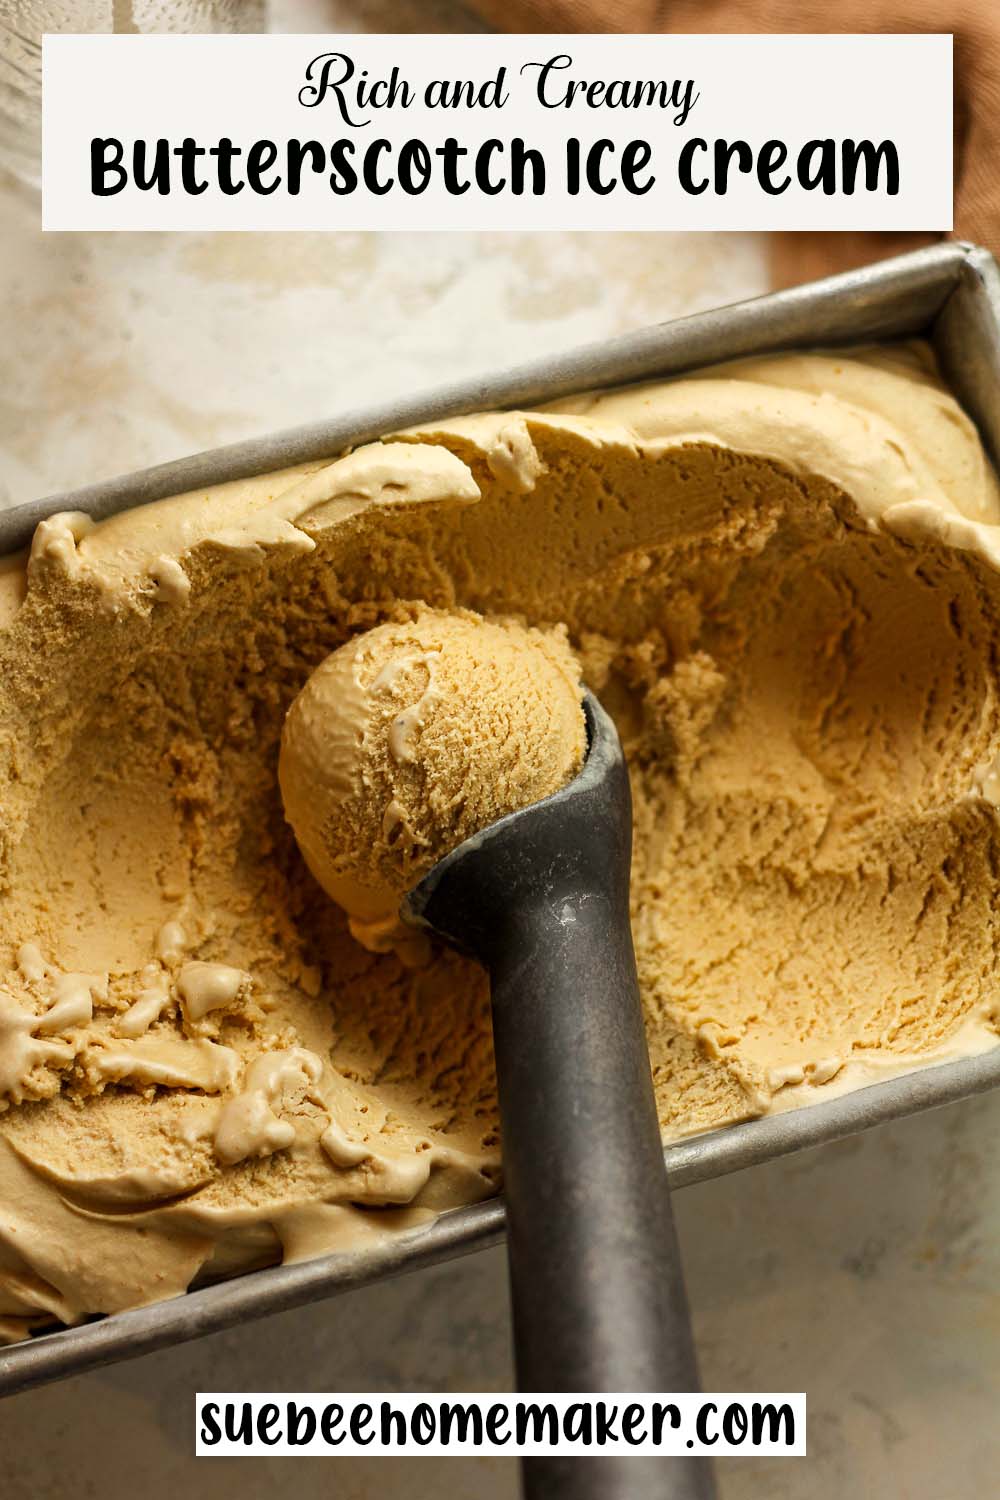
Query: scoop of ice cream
point(411, 738)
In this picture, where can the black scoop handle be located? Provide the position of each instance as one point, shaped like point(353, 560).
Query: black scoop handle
point(596, 1278)
point(598, 1292)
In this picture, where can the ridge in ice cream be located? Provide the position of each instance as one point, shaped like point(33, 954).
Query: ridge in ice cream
point(781, 577)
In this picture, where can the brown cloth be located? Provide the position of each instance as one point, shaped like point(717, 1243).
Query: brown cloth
point(976, 28)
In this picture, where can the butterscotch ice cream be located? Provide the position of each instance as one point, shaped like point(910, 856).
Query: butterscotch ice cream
point(414, 736)
point(780, 576)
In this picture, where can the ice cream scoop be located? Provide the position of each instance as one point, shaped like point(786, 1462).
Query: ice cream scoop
point(540, 896)
point(541, 899)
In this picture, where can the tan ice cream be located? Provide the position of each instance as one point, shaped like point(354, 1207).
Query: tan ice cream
point(782, 577)
point(414, 736)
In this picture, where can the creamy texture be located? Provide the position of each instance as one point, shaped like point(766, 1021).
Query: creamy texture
point(780, 577)
point(411, 738)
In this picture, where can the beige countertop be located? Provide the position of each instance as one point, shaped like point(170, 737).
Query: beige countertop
point(864, 1273)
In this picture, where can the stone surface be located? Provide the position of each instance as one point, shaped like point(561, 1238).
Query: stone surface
point(864, 1273)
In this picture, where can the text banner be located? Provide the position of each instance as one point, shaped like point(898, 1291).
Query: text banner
point(497, 132)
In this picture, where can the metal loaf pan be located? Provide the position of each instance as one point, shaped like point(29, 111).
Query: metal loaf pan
point(949, 294)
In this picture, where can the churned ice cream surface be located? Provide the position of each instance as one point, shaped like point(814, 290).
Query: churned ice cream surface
point(782, 577)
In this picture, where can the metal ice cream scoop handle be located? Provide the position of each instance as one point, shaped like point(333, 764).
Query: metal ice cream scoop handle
point(541, 899)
